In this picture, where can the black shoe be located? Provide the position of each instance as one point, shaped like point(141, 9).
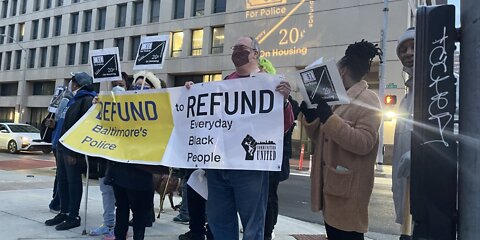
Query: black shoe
point(71, 222)
point(59, 218)
point(185, 236)
point(405, 237)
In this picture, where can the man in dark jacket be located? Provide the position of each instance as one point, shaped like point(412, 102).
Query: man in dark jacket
point(71, 164)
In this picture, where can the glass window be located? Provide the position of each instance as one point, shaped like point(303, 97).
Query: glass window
point(1, 57)
point(177, 44)
point(121, 15)
point(212, 77)
point(46, 27)
point(85, 47)
point(58, 25)
point(101, 17)
point(43, 57)
point(37, 114)
point(98, 44)
point(14, 8)
point(218, 36)
point(23, 128)
point(197, 42)
point(179, 9)
point(220, 6)
point(2, 31)
point(21, 31)
point(32, 54)
point(48, 4)
point(87, 21)
point(54, 56)
point(36, 5)
point(154, 11)
point(4, 9)
point(11, 32)
point(119, 42)
point(59, 3)
point(43, 88)
point(137, 12)
point(134, 44)
point(71, 54)
point(8, 59)
point(18, 59)
point(7, 114)
point(73, 23)
point(198, 7)
point(34, 29)
point(8, 89)
point(23, 9)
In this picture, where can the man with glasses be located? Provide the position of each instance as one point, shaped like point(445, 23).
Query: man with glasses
point(242, 191)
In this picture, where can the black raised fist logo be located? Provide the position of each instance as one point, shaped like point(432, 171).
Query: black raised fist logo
point(250, 146)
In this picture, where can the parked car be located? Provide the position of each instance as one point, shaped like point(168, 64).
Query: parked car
point(16, 137)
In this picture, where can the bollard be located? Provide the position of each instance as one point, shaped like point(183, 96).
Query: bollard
point(300, 162)
point(310, 165)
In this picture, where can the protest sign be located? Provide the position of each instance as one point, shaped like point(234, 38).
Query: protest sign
point(105, 64)
point(234, 124)
point(151, 53)
point(324, 80)
point(56, 99)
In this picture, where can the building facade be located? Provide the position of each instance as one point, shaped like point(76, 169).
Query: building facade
point(42, 41)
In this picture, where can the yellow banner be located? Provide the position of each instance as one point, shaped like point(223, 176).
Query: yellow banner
point(118, 120)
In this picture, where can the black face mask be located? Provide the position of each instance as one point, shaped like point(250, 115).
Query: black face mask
point(240, 57)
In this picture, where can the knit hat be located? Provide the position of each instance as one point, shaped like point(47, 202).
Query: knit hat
point(409, 34)
point(267, 66)
point(151, 78)
point(82, 78)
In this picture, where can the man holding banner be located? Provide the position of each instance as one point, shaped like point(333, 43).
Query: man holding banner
point(242, 191)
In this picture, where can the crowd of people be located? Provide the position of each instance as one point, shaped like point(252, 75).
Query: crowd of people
point(345, 139)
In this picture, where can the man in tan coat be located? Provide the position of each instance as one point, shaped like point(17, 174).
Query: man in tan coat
point(346, 144)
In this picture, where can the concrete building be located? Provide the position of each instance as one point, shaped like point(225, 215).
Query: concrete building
point(42, 41)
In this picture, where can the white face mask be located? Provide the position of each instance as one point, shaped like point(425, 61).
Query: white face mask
point(118, 89)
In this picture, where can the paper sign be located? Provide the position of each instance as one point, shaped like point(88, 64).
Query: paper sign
point(105, 65)
point(56, 99)
point(198, 182)
point(151, 52)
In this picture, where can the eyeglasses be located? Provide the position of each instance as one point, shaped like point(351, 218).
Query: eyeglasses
point(242, 47)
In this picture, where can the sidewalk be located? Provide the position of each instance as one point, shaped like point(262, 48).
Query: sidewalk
point(24, 198)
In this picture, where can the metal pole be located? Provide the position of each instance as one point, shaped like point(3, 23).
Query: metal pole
point(87, 180)
point(381, 88)
point(469, 153)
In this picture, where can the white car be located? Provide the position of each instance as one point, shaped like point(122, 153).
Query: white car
point(22, 137)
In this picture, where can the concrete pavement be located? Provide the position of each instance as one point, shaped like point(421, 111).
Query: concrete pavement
point(25, 194)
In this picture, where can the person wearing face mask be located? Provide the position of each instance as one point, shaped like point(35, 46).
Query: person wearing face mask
point(242, 191)
point(71, 164)
point(403, 134)
point(133, 183)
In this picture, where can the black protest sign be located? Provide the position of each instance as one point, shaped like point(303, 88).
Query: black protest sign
point(151, 53)
point(317, 81)
point(105, 65)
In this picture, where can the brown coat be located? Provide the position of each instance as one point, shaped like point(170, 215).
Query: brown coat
point(349, 139)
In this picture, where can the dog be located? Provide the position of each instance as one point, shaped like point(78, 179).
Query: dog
point(160, 183)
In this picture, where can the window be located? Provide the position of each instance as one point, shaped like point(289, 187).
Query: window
point(84, 52)
point(177, 44)
point(18, 59)
point(119, 42)
point(23, 8)
point(43, 57)
point(179, 9)
point(7, 114)
point(198, 7)
point(8, 59)
point(54, 56)
point(87, 21)
point(134, 44)
point(2, 31)
point(14, 8)
point(43, 88)
point(71, 54)
point(98, 44)
point(212, 77)
point(4, 9)
point(154, 11)
point(32, 54)
point(37, 114)
point(36, 5)
point(11, 32)
point(121, 15)
point(101, 16)
point(46, 27)
point(75, 1)
point(58, 26)
point(217, 39)
point(1, 57)
point(137, 13)
point(220, 6)
point(59, 3)
point(48, 4)
point(21, 31)
point(34, 29)
point(8, 89)
point(197, 42)
point(73, 23)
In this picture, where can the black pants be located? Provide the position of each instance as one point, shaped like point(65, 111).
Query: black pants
point(197, 212)
point(337, 234)
point(55, 203)
point(140, 202)
point(272, 207)
point(70, 188)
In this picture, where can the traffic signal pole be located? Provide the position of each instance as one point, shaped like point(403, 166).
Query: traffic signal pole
point(469, 155)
